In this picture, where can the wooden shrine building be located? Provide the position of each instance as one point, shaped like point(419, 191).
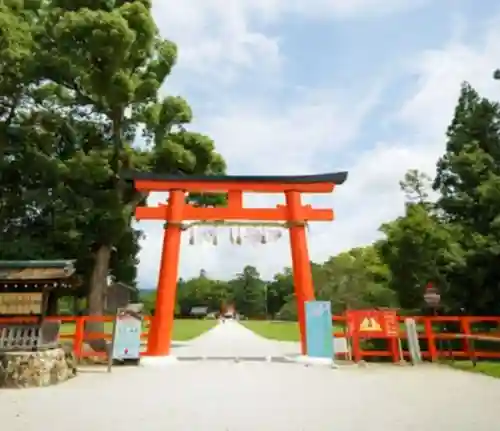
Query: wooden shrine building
point(34, 287)
point(29, 291)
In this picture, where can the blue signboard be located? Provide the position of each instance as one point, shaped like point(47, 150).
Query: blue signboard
point(127, 336)
point(319, 329)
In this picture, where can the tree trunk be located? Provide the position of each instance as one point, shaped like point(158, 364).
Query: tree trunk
point(98, 278)
point(96, 295)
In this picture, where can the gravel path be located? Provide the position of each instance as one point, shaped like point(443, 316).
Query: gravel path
point(249, 396)
point(230, 339)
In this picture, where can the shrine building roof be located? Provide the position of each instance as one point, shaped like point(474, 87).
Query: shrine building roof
point(36, 270)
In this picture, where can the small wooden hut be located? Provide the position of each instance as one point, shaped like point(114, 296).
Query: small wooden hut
point(199, 312)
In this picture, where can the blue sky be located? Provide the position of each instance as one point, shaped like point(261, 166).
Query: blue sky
point(296, 87)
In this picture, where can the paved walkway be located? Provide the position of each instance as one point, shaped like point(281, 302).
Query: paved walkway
point(249, 396)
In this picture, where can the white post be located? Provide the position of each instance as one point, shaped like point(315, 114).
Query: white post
point(413, 341)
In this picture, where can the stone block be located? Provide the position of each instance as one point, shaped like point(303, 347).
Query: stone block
point(23, 369)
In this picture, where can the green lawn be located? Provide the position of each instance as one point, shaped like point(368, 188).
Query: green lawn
point(187, 329)
point(282, 331)
point(490, 368)
point(184, 329)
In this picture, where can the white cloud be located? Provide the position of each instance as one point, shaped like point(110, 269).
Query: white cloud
point(373, 188)
point(258, 139)
point(215, 37)
point(218, 37)
point(439, 74)
point(315, 133)
point(261, 139)
point(353, 8)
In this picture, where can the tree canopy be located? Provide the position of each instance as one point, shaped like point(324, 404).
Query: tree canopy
point(81, 104)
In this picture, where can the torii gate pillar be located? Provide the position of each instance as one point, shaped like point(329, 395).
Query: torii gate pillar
point(301, 265)
point(160, 333)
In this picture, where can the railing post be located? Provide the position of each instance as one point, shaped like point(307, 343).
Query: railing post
point(79, 336)
point(356, 347)
point(348, 340)
point(431, 338)
point(468, 342)
point(394, 349)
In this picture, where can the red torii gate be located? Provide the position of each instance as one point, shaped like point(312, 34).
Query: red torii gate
point(293, 213)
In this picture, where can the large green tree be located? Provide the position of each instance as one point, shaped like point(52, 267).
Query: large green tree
point(33, 134)
point(468, 179)
point(16, 136)
point(102, 64)
point(419, 247)
point(80, 107)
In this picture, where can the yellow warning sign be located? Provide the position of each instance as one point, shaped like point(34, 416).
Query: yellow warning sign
point(370, 324)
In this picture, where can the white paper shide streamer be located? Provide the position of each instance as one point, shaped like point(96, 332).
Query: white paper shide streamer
point(255, 233)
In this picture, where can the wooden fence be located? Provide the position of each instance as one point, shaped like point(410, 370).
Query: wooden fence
point(467, 339)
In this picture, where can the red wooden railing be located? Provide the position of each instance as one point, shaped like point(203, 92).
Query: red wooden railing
point(433, 336)
point(78, 336)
